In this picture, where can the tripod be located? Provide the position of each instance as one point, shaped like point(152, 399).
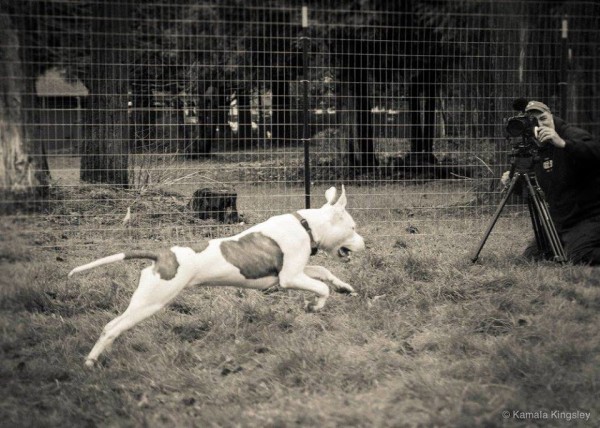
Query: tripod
point(546, 236)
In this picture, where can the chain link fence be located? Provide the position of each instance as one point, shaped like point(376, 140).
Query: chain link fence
point(186, 119)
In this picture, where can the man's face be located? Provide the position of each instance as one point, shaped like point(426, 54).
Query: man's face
point(544, 118)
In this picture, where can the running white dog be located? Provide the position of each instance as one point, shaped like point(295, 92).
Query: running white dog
point(274, 252)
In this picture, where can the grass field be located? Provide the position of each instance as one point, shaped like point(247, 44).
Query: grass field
point(431, 339)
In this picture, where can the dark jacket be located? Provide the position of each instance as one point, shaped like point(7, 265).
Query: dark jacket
point(570, 177)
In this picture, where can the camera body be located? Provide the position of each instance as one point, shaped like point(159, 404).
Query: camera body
point(522, 125)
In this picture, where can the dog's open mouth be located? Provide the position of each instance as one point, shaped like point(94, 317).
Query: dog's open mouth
point(344, 252)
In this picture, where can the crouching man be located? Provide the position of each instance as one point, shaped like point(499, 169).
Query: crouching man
point(569, 174)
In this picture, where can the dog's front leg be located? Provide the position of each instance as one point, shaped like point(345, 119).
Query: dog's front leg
point(304, 282)
point(319, 272)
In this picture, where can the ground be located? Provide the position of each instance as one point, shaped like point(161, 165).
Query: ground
point(431, 339)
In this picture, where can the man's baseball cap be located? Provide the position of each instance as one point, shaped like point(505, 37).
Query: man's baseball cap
point(537, 105)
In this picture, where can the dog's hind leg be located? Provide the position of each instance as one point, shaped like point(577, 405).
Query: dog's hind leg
point(127, 320)
point(319, 272)
point(151, 295)
point(305, 282)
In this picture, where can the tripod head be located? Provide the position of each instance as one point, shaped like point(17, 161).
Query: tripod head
point(524, 155)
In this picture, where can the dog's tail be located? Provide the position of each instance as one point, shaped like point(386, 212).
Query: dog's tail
point(116, 258)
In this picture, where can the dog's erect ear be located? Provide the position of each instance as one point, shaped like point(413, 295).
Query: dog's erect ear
point(342, 201)
point(330, 195)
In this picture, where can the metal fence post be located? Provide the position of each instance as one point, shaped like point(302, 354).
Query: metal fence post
point(305, 118)
point(563, 85)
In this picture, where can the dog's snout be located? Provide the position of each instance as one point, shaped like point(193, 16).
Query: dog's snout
point(362, 244)
point(358, 243)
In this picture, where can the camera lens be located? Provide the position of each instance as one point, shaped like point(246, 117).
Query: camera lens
point(515, 126)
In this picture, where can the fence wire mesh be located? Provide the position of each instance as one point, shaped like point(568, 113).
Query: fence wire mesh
point(185, 119)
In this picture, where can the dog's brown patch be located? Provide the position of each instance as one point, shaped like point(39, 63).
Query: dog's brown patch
point(166, 265)
point(201, 247)
point(255, 255)
point(165, 261)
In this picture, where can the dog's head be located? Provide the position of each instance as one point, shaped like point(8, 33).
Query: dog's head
point(336, 229)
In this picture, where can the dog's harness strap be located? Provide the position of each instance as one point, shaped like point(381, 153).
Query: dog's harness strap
point(314, 247)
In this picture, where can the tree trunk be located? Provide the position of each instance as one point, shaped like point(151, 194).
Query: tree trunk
point(422, 107)
point(507, 24)
point(364, 103)
point(106, 146)
point(23, 167)
point(283, 128)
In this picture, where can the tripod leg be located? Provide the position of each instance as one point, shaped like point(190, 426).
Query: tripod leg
point(553, 236)
point(550, 236)
point(540, 238)
point(511, 187)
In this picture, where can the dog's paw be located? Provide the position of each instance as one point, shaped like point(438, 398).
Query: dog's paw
point(345, 289)
point(90, 364)
point(313, 306)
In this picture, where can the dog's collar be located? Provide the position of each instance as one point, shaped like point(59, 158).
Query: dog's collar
point(314, 247)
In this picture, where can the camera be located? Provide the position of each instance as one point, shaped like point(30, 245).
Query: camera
point(522, 125)
point(525, 126)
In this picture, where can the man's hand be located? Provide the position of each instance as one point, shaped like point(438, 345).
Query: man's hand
point(547, 135)
point(505, 177)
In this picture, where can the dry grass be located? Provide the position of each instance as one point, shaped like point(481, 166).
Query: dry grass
point(431, 339)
